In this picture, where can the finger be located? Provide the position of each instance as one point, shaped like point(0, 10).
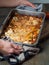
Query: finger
point(13, 45)
point(16, 46)
point(29, 4)
point(11, 51)
point(7, 54)
point(19, 47)
point(18, 51)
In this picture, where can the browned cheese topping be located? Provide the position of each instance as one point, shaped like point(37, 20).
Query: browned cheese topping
point(23, 28)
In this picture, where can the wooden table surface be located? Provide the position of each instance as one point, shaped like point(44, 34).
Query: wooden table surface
point(43, 57)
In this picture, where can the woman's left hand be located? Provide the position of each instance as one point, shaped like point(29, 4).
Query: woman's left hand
point(25, 2)
point(14, 3)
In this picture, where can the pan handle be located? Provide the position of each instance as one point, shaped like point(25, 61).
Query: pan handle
point(24, 7)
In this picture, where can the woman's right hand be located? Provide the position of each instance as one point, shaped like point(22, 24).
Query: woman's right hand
point(7, 48)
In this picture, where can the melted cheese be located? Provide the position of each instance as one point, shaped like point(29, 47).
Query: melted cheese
point(24, 28)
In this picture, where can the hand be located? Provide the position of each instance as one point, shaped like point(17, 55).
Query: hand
point(14, 3)
point(7, 48)
point(24, 2)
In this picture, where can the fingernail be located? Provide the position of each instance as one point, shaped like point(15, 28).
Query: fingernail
point(19, 47)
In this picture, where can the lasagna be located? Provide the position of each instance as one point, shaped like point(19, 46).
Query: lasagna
point(23, 28)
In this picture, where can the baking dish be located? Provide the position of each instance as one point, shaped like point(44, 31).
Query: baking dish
point(23, 12)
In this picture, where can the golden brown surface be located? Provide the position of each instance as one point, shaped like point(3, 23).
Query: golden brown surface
point(24, 28)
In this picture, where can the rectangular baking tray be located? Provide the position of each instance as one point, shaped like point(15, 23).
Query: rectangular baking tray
point(24, 12)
